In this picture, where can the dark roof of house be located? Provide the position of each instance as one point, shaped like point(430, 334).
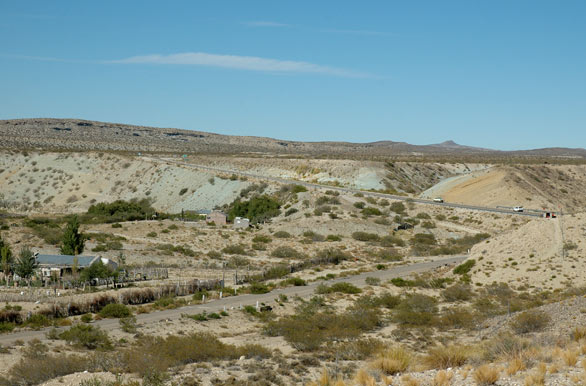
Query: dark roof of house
point(61, 260)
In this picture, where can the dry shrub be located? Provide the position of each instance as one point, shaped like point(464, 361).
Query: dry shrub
point(37, 366)
point(443, 378)
point(354, 350)
point(570, 357)
point(486, 375)
point(443, 357)
point(408, 380)
point(362, 378)
point(504, 346)
point(579, 333)
point(392, 361)
point(326, 379)
point(538, 377)
point(515, 365)
point(159, 354)
point(530, 321)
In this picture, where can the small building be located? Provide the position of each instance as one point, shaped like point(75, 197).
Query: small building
point(241, 223)
point(216, 217)
point(58, 265)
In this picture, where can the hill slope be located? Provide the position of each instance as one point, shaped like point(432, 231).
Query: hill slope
point(81, 135)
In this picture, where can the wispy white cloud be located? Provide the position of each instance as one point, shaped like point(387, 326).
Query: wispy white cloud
point(251, 63)
point(271, 24)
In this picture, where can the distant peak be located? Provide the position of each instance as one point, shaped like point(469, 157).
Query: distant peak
point(449, 143)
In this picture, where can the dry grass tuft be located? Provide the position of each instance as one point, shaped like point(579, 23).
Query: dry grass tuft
point(408, 380)
point(515, 365)
point(362, 378)
point(486, 375)
point(579, 333)
point(326, 379)
point(443, 378)
point(537, 378)
point(443, 357)
point(570, 357)
point(392, 361)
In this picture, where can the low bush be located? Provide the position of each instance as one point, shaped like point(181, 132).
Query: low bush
point(457, 318)
point(370, 211)
point(457, 292)
point(391, 241)
point(285, 252)
point(234, 250)
point(365, 236)
point(372, 280)
point(87, 336)
point(342, 287)
point(128, 324)
point(115, 310)
point(530, 321)
point(282, 234)
point(159, 354)
point(258, 288)
point(464, 267)
point(416, 310)
point(261, 239)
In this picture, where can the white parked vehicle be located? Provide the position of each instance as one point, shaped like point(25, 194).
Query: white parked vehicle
point(438, 199)
point(518, 209)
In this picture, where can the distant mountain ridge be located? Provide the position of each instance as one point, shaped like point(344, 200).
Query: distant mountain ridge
point(83, 135)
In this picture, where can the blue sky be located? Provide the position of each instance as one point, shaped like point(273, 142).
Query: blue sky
point(497, 74)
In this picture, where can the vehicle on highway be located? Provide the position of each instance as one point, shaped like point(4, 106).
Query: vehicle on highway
point(518, 209)
point(438, 199)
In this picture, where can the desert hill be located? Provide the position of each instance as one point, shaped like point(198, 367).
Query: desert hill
point(82, 135)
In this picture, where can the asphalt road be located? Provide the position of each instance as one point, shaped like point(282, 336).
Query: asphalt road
point(350, 190)
point(235, 302)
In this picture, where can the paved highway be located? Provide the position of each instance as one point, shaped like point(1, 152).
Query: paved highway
point(235, 302)
point(350, 190)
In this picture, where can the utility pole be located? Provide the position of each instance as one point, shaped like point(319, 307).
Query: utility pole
point(562, 232)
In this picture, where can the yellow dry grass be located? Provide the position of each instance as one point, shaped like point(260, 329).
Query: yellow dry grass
point(443, 378)
point(515, 365)
point(392, 361)
point(486, 375)
point(407, 380)
point(570, 357)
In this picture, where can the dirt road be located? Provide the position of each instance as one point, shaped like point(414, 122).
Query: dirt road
point(235, 302)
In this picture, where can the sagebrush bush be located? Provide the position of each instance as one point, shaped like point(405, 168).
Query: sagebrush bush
point(416, 310)
point(464, 267)
point(115, 310)
point(343, 287)
point(87, 336)
point(160, 354)
point(365, 236)
point(457, 292)
point(530, 321)
point(285, 252)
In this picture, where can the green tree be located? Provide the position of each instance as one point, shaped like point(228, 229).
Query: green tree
point(25, 264)
point(6, 259)
point(75, 266)
point(97, 270)
point(73, 242)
